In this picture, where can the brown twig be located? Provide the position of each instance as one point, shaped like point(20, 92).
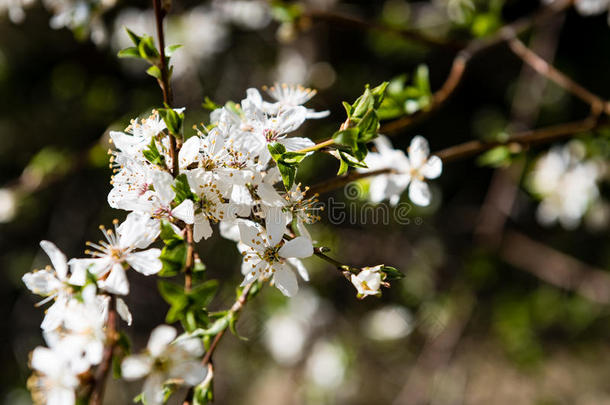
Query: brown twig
point(541, 66)
point(462, 59)
point(101, 373)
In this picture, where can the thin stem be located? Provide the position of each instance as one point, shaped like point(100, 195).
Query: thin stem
point(544, 68)
point(190, 259)
point(236, 308)
point(317, 146)
point(101, 373)
point(344, 268)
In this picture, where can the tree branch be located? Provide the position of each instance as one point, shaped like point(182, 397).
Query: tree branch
point(475, 147)
point(464, 56)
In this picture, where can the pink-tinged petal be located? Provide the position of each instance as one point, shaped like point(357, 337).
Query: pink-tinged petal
point(160, 338)
point(432, 168)
point(58, 259)
point(146, 262)
point(285, 280)
point(419, 193)
point(299, 247)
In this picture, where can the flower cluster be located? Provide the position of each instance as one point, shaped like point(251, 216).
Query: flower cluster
point(223, 174)
point(566, 183)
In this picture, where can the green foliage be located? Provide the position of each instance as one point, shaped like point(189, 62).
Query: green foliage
point(188, 307)
point(360, 127)
point(173, 254)
point(285, 12)
point(183, 190)
point(210, 105)
point(406, 98)
point(391, 273)
point(173, 119)
point(287, 162)
point(153, 155)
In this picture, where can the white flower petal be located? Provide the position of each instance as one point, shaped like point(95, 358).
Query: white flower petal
point(418, 151)
point(135, 367)
point(296, 143)
point(251, 236)
point(185, 211)
point(146, 262)
point(163, 181)
point(419, 193)
point(123, 311)
point(160, 338)
point(202, 228)
point(285, 280)
point(189, 151)
point(298, 247)
point(192, 372)
point(432, 168)
point(275, 222)
point(116, 282)
point(153, 389)
point(58, 259)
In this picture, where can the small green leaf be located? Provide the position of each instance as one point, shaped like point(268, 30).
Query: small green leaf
point(135, 38)
point(173, 120)
point(131, 52)
point(347, 137)
point(147, 49)
point(154, 71)
point(183, 190)
point(153, 155)
point(391, 273)
point(288, 174)
point(208, 104)
point(169, 50)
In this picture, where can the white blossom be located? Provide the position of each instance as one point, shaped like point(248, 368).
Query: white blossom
point(110, 256)
point(367, 282)
point(268, 256)
point(165, 360)
point(407, 172)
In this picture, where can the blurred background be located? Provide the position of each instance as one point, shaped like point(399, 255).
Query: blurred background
point(495, 307)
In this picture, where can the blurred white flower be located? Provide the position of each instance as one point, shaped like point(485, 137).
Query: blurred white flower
point(8, 205)
point(566, 184)
point(326, 366)
point(411, 171)
point(388, 323)
point(165, 359)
